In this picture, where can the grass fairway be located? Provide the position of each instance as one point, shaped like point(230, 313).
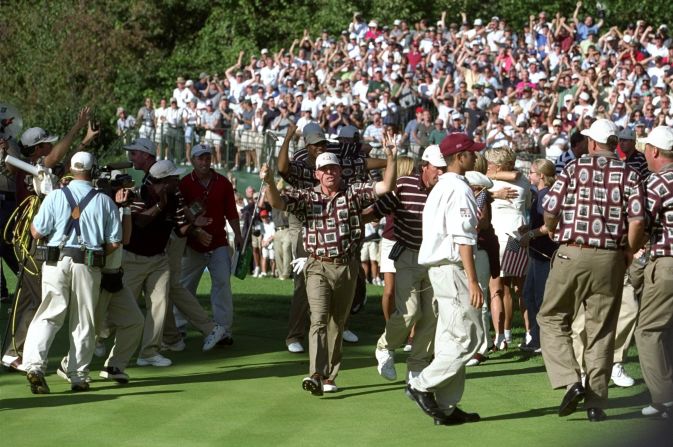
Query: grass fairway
point(250, 394)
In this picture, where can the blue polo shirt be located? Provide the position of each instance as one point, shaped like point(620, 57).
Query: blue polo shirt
point(99, 222)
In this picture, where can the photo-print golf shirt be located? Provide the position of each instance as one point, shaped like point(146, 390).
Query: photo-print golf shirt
point(333, 225)
point(594, 197)
point(660, 208)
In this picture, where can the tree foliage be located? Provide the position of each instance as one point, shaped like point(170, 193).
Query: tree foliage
point(59, 55)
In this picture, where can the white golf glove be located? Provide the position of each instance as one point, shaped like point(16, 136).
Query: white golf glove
point(298, 265)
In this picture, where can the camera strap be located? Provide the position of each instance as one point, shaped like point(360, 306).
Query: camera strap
point(76, 210)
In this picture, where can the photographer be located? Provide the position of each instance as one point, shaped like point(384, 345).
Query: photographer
point(82, 226)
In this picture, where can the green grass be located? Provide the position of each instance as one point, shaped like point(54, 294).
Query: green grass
point(250, 394)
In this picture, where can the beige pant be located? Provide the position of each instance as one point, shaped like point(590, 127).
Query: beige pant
point(581, 277)
point(330, 289)
point(654, 334)
point(298, 318)
point(457, 339)
point(118, 312)
point(149, 275)
point(70, 289)
point(282, 245)
point(413, 305)
point(179, 296)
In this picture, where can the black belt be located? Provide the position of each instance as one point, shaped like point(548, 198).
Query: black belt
point(77, 255)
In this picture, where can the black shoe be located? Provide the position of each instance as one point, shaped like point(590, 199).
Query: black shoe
point(531, 348)
point(38, 384)
point(114, 373)
point(596, 415)
point(457, 417)
point(425, 401)
point(226, 341)
point(573, 396)
point(79, 386)
point(313, 384)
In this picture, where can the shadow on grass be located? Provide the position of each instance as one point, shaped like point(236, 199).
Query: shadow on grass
point(69, 398)
point(473, 374)
point(345, 393)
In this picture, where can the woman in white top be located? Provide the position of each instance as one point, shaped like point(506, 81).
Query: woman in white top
point(507, 216)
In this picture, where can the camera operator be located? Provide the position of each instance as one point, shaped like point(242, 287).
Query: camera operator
point(81, 226)
point(37, 146)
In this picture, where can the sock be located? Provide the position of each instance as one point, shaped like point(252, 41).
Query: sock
point(508, 334)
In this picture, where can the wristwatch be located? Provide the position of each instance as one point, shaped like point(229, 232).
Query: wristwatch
point(531, 234)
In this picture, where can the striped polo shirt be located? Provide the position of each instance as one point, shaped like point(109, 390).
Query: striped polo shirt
point(407, 202)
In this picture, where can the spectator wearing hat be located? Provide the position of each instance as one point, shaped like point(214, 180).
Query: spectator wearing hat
point(592, 257)
point(215, 195)
point(156, 212)
point(408, 137)
point(181, 93)
point(236, 78)
point(655, 321)
point(175, 135)
point(332, 268)
point(71, 283)
point(125, 125)
point(211, 120)
point(37, 147)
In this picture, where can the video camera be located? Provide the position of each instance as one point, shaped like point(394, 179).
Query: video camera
point(109, 180)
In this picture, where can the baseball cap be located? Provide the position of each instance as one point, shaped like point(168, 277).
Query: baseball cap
point(180, 80)
point(454, 143)
point(263, 213)
point(82, 161)
point(456, 116)
point(601, 130)
point(326, 159)
point(189, 83)
point(35, 136)
point(143, 145)
point(661, 137)
point(201, 149)
point(627, 134)
point(348, 132)
point(556, 122)
point(478, 22)
point(164, 168)
point(313, 134)
point(584, 96)
point(476, 178)
point(433, 155)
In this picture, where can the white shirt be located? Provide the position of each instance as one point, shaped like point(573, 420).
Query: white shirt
point(449, 220)
point(182, 96)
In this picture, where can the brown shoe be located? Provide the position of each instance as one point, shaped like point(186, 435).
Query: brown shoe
point(38, 384)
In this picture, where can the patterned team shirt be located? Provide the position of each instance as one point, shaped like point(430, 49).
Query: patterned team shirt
point(660, 209)
point(353, 166)
point(637, 161)
point(407, 202)
point(332, 225)
point(595, 197)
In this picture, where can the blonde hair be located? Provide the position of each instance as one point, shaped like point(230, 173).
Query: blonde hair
point(502, 157)
point(546, 168)
point(405, 166)
point(480, 164)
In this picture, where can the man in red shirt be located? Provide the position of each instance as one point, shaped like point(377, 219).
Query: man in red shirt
point(206, 189)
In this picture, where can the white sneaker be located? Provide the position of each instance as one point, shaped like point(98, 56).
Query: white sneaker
point(255, 171)
point(386, 364)
point(408, 347)
point(178, 346)
point(620, 377)
point(262, 275)
point(295, 347)
point(255, 273)
point(329, 386)
point(350, 337)
point(155, 360)
point(100, 350)
point(215, 335)
point(528, 338)
point(651, 410)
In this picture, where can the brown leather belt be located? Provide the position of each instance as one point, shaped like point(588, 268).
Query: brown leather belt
point(338, 261)
point(592, 247)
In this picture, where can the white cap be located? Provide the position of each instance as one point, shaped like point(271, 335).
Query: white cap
point(372, 23)
point(35, 136)
point(556, 122)
point(143, 145)
point(164, 168)
point(567, 98)
point(189, 83)
point(456, 116)
point(601, 130)
point(627, 134)
point(348, 132)
point(201, 149)
point(265, 50)
point(82, 161)
point(396, 22)
point(627, 38)
point(313, 134)
point(476, 178)
point(661, 137)
point(433, 155)
point(584, 96)
point(478, 22)
point(326, 159)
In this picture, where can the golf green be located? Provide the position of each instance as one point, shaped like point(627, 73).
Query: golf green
point(249, 394)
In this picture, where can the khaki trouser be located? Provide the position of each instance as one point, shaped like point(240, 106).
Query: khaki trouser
point(119, 312)
point(30, 296)
point(282, 245)
point(587, 277)
point(298, 318)
point(179, 296)
point(149, 275)
point(330, 289)
point(413, 305)
point(458, 337)
point(654, 333)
